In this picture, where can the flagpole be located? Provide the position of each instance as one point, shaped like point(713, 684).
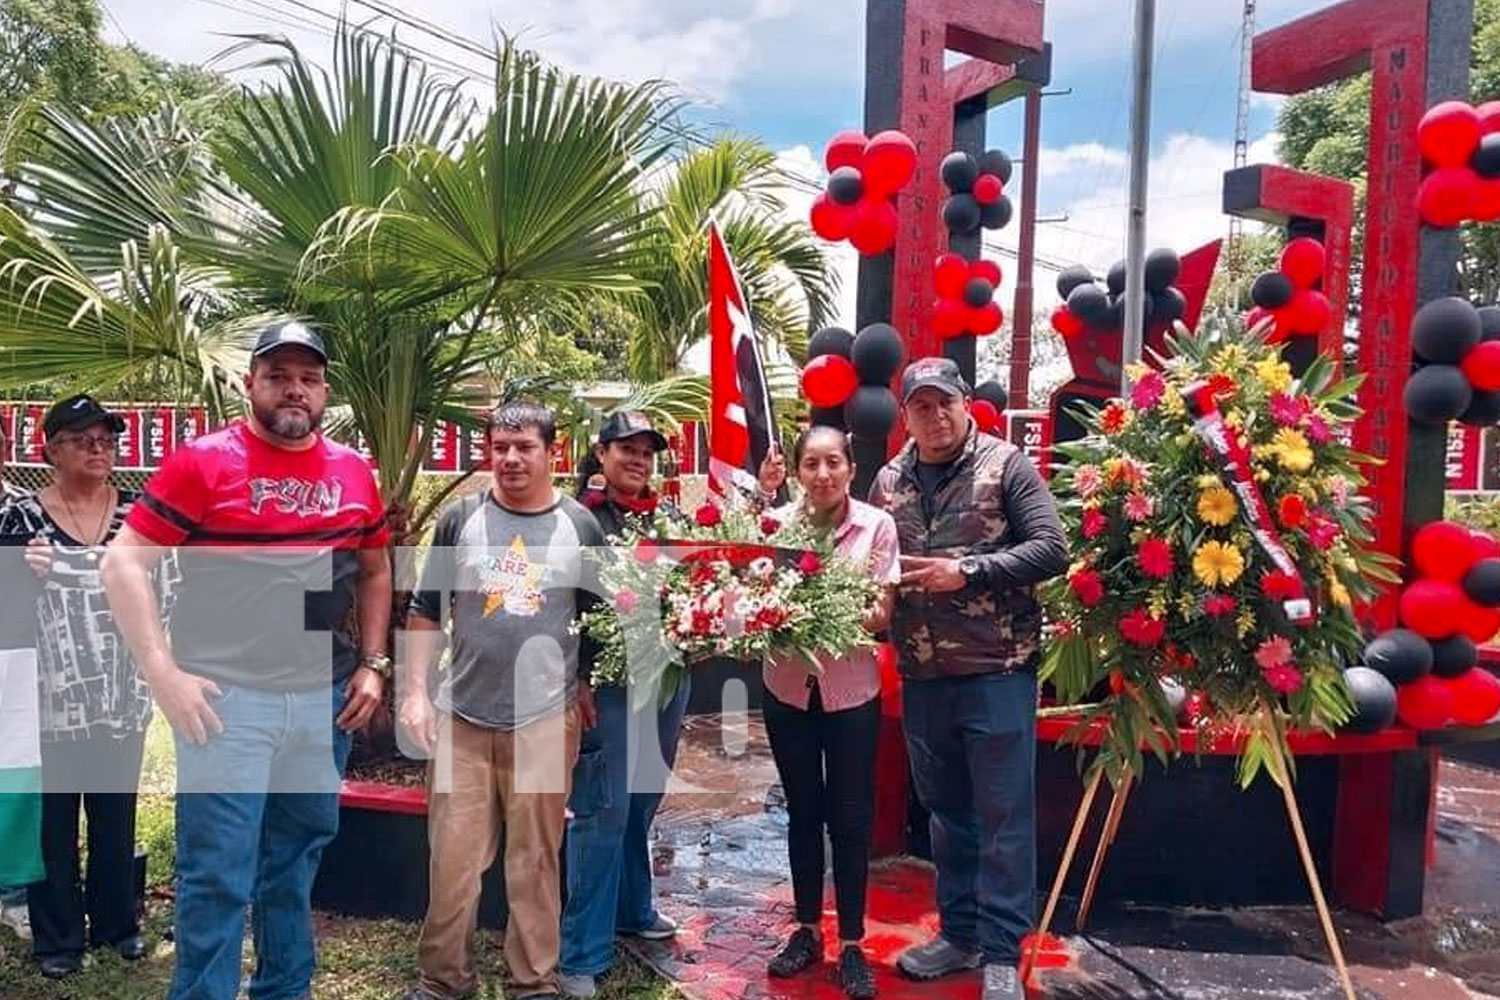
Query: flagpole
point(1140, 156)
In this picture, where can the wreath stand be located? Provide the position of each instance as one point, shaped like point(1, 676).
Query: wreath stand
point(1280, 773)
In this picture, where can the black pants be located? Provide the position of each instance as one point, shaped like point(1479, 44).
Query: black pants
point(95, 773)
point(827, 765)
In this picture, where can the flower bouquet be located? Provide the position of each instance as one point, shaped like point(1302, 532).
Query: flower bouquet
point(1220, 543)
point(729, 583)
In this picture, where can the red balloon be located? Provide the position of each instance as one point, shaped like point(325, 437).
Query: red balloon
point(986, 319)
point(1489, 117)
point(1486, 200)
point(1303, 260)
point(1475, 696)
point(1478, 622)
point(831, 220)
point(846, 149)
point(950, 318)
point(874, 228)
point(950, 275)
point(1482, 366)
point(1483, 545)
point(986, 417)
point(1284, 324)
point(829, 380)
point(1308, 312)
point(988, 189)
point(1447, 196)
point(890, 161)
point(1448, 134)
point(1065, 323)
point(986, 269)
point(1443, 550)
point(1425, 703)
point(1432, 608)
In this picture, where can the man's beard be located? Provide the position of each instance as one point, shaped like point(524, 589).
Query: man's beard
point(288, 423)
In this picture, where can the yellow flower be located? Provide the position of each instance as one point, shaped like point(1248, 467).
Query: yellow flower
point(1275, 373)
point(1217, 506)
point(1187, 607)
point(1157, 604)
point(1208, 480)
point(1216, 563)
point(1292, 450)
point(1245, 623)
point(1172, 404)
point(1137, 370)
point(1339, 594)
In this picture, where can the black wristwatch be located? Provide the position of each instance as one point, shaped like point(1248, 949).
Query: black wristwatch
point(971, 568)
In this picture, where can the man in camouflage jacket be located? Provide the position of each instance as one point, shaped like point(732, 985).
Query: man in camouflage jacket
point(979, 530)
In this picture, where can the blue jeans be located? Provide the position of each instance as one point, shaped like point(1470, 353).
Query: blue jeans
point(256, 805)
point(608, 858)
point(973, 758)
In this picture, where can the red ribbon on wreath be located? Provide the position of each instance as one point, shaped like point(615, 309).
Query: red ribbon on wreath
point(1233, 457)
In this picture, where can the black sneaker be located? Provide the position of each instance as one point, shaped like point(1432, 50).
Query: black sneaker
point(800, 951)
point(855, 975)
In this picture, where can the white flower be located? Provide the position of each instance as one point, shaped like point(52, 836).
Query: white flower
point(763, 568)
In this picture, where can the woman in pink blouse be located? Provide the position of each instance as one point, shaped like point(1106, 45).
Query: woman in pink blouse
point(822, 725)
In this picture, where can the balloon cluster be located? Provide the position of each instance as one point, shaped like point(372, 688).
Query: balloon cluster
point(1463, 145)
point(1458, 352)
point(976, 191)
point(847, 378)
point(1426, 673)
point(863, 175)
point(1289, 297)
point(1088, 306)
point(990, 399)
point(966, 297)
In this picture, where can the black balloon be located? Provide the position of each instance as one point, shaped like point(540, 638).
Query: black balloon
point(1454, 656)
point(1482, 583)
point(961, 213)
point(959, 172)
point(1489, 323)
point(1400, 655)
point(1444, 330)
point(996, 215)
point(1374, 700)
point(1171, 306)
point(1115, 279)
point(1090, 304)
point(1071, 278)
point(830, 340)
point(1272, 290)
point(846, 185)
point(1437, 394)
point(871, 411)
point(996, 162)
point(829, 417)
point(1483, 411)
point(978, 293)
point(1116, 316)
point(1486, 159)
point(1162, 268)
point(993, 392)
point(877, 354)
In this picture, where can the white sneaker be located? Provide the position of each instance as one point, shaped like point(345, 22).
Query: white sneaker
point(18, 919)
point(1001, 983)
point(576, 986)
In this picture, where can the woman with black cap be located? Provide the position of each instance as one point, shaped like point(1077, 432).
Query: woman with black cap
point(94, 705)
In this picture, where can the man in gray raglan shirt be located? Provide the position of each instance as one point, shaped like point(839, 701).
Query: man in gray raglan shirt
point(512, 566)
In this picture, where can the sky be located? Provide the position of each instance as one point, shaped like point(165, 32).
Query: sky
point(791, 73)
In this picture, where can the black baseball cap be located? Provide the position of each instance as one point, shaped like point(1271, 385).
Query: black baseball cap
point(79, 411)
point(935, 373)
point(630, 423)
point(289, 335)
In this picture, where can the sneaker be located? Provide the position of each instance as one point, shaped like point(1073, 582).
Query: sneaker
point(661, 928)
point(18, 919)
point(576, 986)
point(935, 959)
point(801, 950)
point(854, 974)
point(1001, 983)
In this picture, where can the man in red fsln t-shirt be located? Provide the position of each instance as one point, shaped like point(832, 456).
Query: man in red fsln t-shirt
point(280, 533)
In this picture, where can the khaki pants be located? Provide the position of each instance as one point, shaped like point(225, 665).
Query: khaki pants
point(480, 782)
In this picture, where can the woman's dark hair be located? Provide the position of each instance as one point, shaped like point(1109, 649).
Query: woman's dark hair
point(588, 469)
point(520, 415)
point(821, 430)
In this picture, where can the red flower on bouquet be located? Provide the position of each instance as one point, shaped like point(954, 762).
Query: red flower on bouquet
point(708, 516)
point(647, 552)
point(703, 574)
point(625, 601)
point(1280, 586)
point(769, 525)
point(1284, 679)
point(703, 622)
point(1094, 523)
point(1140, 629)
point(1220, 605)
point(1088, 586)
point(1114, 418)
point(1148, 392)
point(1155, 557)
point(1221, 387)
point(1292, 511)
point(1322, 532)
point(809, 564)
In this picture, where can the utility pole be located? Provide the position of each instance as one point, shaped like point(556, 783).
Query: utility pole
point(1242, 139)
point(1140, 160)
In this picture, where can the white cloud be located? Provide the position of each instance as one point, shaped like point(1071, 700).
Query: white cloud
point(1083, 155)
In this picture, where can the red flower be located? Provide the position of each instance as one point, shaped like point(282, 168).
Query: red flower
point(703, 574)
point(625, 602)
point(1148, 392)
point(1155, 557)
point(1292, 510)
point(708, 516)
point(1113, 419)
point(647, 552)
point(703, 623)
point(769, 525)
point(809, 564)
point(1281, 586)
point(1220, 605)
point(1140, 629)
point(1318, 431)
point(1088, 586)
point(1322, 533)
point(1284, 679)
point(1221, 387)
point(1094, 523)
point(1287, 410)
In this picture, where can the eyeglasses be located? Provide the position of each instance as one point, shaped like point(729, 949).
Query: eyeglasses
point(91, 442)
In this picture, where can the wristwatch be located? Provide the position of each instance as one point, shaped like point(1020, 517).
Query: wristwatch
point(971, 568)
point(378, 662)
